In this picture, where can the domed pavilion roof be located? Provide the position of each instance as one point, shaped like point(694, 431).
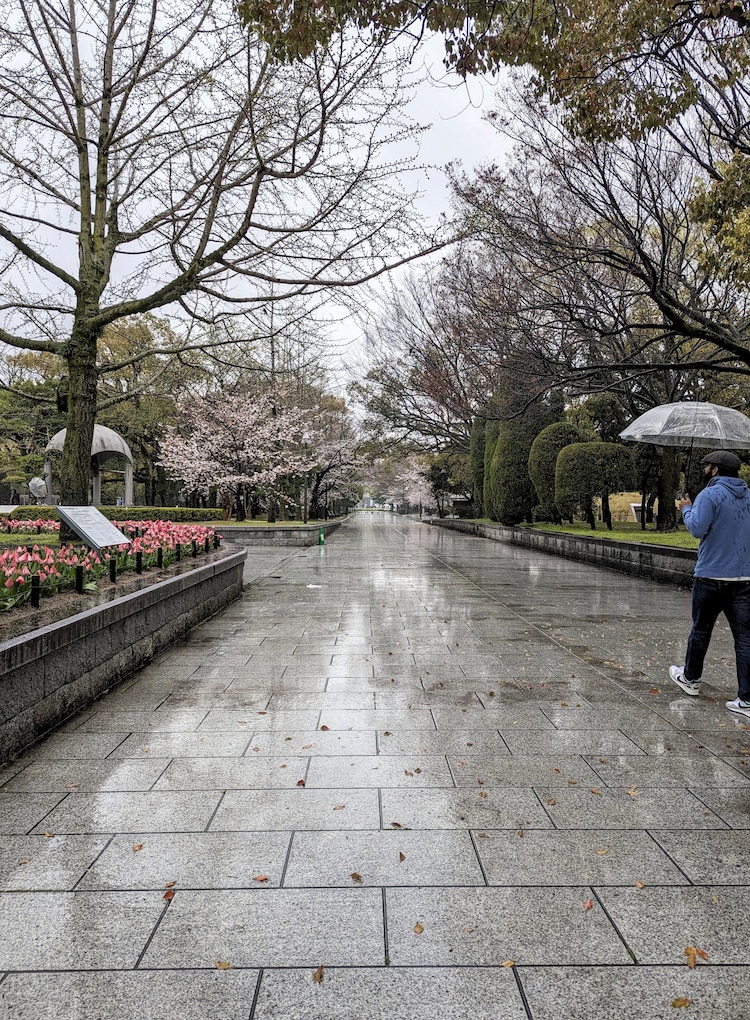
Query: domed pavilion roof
point(105, 441)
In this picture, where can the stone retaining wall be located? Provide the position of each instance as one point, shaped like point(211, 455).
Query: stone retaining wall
point(49, 674)
point(659, 563)
point(285, 535)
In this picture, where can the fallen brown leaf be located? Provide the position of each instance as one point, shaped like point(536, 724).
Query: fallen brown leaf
point(681, 1002)
point(170, 885)
point(300, 782)
point(49, 835)
point(260, 878)
point(306, 747)
point(262, 713)
point(397, 825)
point(387, 733)
point(339, 807)
point(222, 965)
point(596, 791)
point(551, 800)
point(640, 885)
point(356, 877)
point(137, 847)
point(508, 963)
point(483, 794)
point(168, 895)
point(693, 954)
point(418, 928)
point(408, 773)
point(588, 904)
point(318, 975)
point(521, 833)
point(324, 727)
point(602, 852)
point(401, 858)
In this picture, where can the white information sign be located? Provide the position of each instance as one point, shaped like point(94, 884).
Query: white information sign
point(92, 526)
point(8, 508)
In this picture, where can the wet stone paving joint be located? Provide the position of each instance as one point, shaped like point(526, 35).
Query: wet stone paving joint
point(409, 774)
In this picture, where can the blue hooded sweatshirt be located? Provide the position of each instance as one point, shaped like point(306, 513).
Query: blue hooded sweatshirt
point(720, 518)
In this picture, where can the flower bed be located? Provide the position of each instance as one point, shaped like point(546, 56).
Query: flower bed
point(27, 572)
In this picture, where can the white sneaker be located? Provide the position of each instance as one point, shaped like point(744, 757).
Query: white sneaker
point(739, 706)
point(691, 687)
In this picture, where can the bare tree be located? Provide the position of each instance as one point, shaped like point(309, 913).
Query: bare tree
point(153, 156)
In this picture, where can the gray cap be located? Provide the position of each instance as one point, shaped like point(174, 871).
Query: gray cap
point(723, 458)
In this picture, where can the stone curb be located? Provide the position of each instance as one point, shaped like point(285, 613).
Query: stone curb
point(658, 563)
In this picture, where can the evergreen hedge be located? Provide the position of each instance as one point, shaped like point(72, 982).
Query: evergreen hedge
point(128, 513)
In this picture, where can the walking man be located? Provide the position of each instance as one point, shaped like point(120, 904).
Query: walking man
point(720, 518)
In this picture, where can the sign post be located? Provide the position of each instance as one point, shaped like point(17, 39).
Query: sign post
point(91, 526)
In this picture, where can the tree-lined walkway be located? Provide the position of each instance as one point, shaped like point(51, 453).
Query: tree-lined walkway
point(410, 774)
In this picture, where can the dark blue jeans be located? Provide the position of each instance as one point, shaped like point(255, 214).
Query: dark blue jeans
point(732, 598)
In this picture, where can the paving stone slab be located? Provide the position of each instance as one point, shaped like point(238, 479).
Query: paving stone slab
point(616, 808)
point(457, 742)
point(733, 806)
point(258, 928)
point(375, 719)
point(123, 995)
point(88, 776)
point(658, 923)
point(411, 683)
point(664, 741)
point(39, 863)
point(171, 721)
point(496, 719)
point(312, 742)
point(527, 742)
point(599, 993)
point(20, 812)
point(269, 810)
point(493, 808)
point(398, 993)
point(81, 931)
point(583, 857)
point(520, 770)
point(725, 742)
point(303, 719)
point(352, 701)
point(666, 771)
point(131, 812)
point(182, 745)
point(76, 745)
point(713, 858)
point(270, 684)
point(383, 858)
point(206, 860)
point(233, 774)
point(481, 927)
point(383, 771)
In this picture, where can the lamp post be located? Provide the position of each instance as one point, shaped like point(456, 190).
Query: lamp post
point(305, 447)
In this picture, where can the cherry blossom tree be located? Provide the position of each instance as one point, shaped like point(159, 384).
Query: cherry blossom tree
point(234, 443)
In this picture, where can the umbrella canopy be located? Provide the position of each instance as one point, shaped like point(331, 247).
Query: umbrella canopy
point(691, 423)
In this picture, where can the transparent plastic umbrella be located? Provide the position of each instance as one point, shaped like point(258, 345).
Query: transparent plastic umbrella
point(691, 423)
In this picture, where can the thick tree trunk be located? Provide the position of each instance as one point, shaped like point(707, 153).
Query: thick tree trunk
point(75, 468)
point(668, 485)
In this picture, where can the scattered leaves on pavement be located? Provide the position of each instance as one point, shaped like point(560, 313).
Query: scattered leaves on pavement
point(318, 975)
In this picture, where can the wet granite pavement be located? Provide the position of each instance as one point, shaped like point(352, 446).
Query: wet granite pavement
point(451, 773)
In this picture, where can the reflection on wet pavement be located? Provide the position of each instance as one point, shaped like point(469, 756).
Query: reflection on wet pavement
point(410, 773)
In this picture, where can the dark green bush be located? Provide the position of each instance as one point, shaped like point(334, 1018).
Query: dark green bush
point(542, 462)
